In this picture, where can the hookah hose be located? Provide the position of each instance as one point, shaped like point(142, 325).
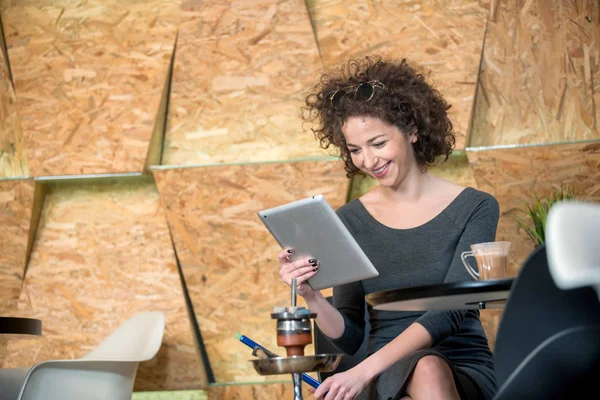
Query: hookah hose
point(255, 346)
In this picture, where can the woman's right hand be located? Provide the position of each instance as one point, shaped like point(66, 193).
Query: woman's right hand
point(302, 270)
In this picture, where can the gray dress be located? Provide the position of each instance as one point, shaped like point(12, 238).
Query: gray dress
point(424, 255)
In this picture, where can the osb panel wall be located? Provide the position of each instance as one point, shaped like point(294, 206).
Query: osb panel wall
point(103, 253)
point(16, 205)
point(514, 175)
point(445, 38)
point(540, 80)
point(229, 258)
point(89, 77)
point(12, 159)
point(240, 70)
point(155, 148)
point(262, 391)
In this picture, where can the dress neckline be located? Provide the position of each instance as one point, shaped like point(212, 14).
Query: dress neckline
point(370, 217)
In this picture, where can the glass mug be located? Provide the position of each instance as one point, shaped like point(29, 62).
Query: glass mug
point(491, 258)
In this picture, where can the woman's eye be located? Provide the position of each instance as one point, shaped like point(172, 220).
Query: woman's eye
point(379, 144)
point(354, 151)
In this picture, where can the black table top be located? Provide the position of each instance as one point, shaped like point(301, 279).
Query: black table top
point(20, 326)
point(447, 296)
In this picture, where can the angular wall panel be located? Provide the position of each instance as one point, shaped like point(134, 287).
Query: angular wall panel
point(445, 38)
point(89, 77)
point(228, 257)
point(513, 175)
point(540, 76)
point(241, 68)
point(12, 158)
point(16, 210)
point(103, 253)
point(155, 149)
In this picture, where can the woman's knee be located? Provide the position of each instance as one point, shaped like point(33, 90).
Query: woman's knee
point(432, 369)
point(432, 378)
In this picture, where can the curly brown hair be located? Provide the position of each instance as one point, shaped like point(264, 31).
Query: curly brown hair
point(413, 103)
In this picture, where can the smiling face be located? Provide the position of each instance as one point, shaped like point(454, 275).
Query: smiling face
point(380, 150)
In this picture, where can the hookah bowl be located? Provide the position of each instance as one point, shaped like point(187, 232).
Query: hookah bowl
point(294, 332)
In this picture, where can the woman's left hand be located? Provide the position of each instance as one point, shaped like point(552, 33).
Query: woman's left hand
point(343, 386)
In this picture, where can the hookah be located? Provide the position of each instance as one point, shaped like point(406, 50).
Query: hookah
point(294, 332)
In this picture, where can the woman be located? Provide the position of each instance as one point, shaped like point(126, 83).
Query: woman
point(389, 123)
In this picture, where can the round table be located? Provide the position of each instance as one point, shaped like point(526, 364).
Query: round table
point(20, 326)
point(466, 295)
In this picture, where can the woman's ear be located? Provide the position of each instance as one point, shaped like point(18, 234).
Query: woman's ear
point(413, 137)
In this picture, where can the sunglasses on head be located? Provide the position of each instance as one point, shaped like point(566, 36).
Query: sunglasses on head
point(362, 91)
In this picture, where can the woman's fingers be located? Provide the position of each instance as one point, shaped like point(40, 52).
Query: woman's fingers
point(305, 262)
point(288, 268)
point(303, 270)
point(325, 390)
point(301, 274)
point(335, 393)
point(304, 277)
point(284, 255)
point(322, 389)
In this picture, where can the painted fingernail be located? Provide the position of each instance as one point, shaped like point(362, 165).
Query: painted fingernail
point(290, 251)
point(314, 270)
point(312, 261)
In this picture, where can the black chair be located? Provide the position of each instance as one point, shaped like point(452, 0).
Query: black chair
point(324, 346)
point(548, 341)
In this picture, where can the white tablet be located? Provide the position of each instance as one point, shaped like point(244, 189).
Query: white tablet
point(314, 230)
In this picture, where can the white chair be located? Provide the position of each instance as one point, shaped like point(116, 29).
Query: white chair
point(573, 244)
point(107, 372)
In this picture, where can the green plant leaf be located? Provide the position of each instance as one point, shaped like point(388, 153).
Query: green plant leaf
point(537, 210)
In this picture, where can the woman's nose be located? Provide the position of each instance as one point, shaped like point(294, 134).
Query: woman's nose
point(369, 160)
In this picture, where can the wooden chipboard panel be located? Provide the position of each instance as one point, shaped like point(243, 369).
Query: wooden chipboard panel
point(12, 158)
point(444, 38)
point(89, 77)
point(16, 209)
point(228, 257)
point(514, 175)
point(241, 68)
point(540, 75)
point(103, 253)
